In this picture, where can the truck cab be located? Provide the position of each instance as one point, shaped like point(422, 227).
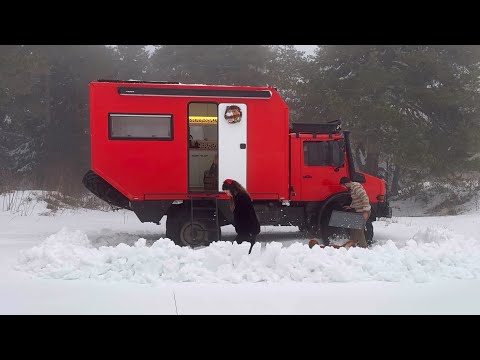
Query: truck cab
point(320, 155)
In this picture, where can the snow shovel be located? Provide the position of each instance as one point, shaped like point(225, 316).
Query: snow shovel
point(347, 219)
point(343, 219)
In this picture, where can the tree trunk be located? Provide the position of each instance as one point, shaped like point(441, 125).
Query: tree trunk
point(48, 114)
point(373, 153)
point(358, 159)
point(395, 179)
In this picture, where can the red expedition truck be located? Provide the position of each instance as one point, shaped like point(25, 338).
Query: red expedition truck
point(162, 148)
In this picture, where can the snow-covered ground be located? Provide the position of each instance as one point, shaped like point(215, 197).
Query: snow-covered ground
point(95, 262)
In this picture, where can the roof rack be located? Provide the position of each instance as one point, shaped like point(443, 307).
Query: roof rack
point(332, 127)
point(138, 81)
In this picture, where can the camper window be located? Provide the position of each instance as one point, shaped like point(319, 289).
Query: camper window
point(140, 126)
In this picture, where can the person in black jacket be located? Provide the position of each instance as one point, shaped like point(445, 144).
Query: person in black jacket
point(245, 219)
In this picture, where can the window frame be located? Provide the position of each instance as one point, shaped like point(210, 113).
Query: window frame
point(111, 117)
point(329, 156)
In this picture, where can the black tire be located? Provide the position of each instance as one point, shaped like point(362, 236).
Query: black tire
point(181, 232)
point(369, 228)
point(330, 233)
point(369, 232)
point(303, 229)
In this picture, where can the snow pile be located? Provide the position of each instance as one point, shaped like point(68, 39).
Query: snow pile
point(431, 254)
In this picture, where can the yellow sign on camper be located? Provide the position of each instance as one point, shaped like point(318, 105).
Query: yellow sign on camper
point(202, 120)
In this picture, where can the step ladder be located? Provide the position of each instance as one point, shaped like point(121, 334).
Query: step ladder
point(198, 210)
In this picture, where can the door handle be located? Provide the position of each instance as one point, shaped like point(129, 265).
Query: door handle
point(243, 146)
point(307, 176)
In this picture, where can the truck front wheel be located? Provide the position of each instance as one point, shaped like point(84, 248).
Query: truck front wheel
point(369, 229)
point(330, 233)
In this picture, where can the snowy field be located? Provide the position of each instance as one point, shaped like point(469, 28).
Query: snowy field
point(96, 262)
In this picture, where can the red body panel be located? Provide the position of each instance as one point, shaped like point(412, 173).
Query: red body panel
point(314, 183)
point(158, 169)
point(374, 187)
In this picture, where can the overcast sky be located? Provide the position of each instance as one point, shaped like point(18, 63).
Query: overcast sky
point(307, 48)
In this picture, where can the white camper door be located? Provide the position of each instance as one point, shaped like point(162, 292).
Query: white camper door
point(232, 143)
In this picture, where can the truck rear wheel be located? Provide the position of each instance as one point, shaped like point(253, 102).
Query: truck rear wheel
point(183, 232)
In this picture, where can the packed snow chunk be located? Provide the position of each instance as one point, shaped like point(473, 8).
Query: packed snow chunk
point(431, 254)
point(432, 235)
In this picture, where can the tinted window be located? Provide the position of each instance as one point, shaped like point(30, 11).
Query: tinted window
point(323, 153)
point(135, 126)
